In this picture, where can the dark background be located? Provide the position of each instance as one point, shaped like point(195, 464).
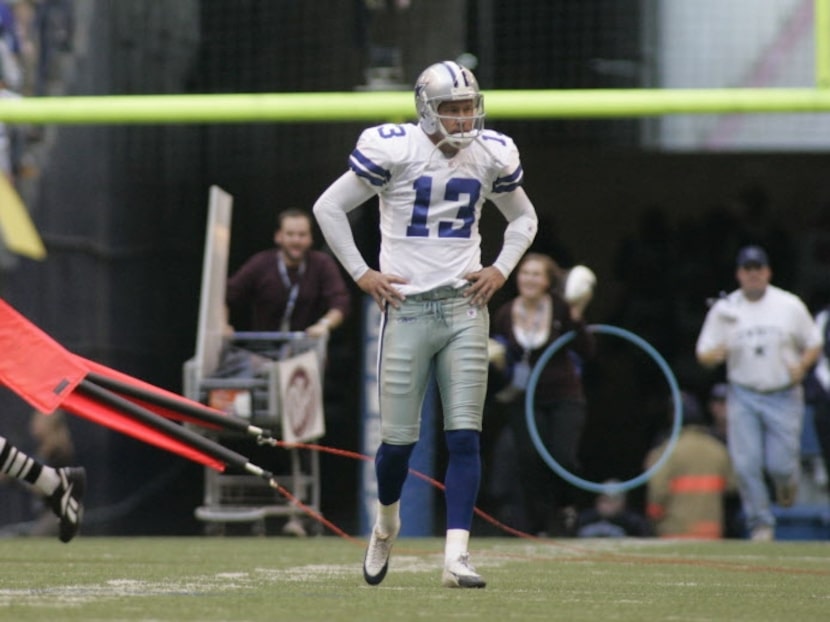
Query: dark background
point(122, 210)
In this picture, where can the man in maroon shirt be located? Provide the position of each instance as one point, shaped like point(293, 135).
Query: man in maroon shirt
point(291, 287)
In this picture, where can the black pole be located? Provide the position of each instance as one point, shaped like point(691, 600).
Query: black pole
point(203, 414)
point(174, 430)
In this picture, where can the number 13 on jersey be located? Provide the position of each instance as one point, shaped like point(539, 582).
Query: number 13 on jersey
point(457, 189)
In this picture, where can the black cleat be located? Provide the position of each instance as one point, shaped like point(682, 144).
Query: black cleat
point(67, 501)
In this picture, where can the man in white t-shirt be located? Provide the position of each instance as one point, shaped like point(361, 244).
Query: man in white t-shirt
point(432, 180)
point(768, 341)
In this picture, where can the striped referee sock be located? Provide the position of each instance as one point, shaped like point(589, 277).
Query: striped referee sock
point(18, 465)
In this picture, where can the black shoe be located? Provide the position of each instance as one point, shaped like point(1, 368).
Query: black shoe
point(67, 501)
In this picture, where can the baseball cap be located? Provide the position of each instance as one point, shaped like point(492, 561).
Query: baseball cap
point(719, 391)
point(752, 255)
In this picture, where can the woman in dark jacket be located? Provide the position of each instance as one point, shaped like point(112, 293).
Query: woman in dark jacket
point(526, 326)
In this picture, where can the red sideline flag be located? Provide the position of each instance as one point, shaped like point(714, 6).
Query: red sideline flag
point(33, 365)
point(165, 403)
point(86, 407)
point(47, 376)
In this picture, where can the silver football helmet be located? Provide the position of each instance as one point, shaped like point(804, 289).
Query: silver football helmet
point(442, 82)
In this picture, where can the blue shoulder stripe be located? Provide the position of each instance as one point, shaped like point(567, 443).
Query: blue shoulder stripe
point(364, 167)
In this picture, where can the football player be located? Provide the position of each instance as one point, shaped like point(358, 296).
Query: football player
point(432, 179)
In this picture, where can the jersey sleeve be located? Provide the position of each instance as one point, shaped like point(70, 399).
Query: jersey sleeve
point(508, 174)
point(373, 157)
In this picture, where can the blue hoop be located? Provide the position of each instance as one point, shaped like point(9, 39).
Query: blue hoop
point(530, 396)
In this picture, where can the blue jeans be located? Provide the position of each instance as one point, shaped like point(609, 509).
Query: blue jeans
point(764, 435)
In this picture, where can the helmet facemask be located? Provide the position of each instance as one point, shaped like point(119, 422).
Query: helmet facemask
point(446, 82)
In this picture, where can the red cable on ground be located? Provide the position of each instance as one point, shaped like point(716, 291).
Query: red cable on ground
point(315, 515)
point(358, 456)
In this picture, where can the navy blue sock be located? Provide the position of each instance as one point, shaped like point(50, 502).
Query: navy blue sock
point(391, 468)
point(463, 477)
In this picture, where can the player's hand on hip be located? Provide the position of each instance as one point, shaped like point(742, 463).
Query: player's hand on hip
point(484, 283)
point(381, 287)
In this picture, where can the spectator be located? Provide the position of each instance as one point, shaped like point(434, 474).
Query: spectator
point(686, 495)
point(768, 341)
point(63, 488)
point(611, 518)
point(292, 287)
point(10, 66)
point(526, 326)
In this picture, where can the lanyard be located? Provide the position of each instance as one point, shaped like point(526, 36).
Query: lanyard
point(293, 290)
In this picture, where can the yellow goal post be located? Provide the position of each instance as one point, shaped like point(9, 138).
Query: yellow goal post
point(398, 105)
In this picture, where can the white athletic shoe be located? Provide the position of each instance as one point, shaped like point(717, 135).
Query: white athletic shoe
point(376, 560)
point(762, 533)
point(294, 527)
point(460, 573)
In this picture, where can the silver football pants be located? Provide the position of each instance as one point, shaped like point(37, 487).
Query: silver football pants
point(437, 331)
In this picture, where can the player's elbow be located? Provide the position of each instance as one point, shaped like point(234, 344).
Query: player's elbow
point(325, 211)
point(319, 208)
point(526, 225)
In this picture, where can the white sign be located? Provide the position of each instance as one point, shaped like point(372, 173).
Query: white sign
point(212, 320)
point(301, 398)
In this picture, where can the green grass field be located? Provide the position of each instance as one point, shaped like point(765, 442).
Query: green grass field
point(277, 578)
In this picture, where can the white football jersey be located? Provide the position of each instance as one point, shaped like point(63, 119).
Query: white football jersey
point(763, 336)
point(430, 205)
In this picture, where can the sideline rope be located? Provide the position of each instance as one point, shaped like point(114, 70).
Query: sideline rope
point(358, 456)
point(310, 511)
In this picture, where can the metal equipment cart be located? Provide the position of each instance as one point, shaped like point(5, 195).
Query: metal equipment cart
point(247, 384)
